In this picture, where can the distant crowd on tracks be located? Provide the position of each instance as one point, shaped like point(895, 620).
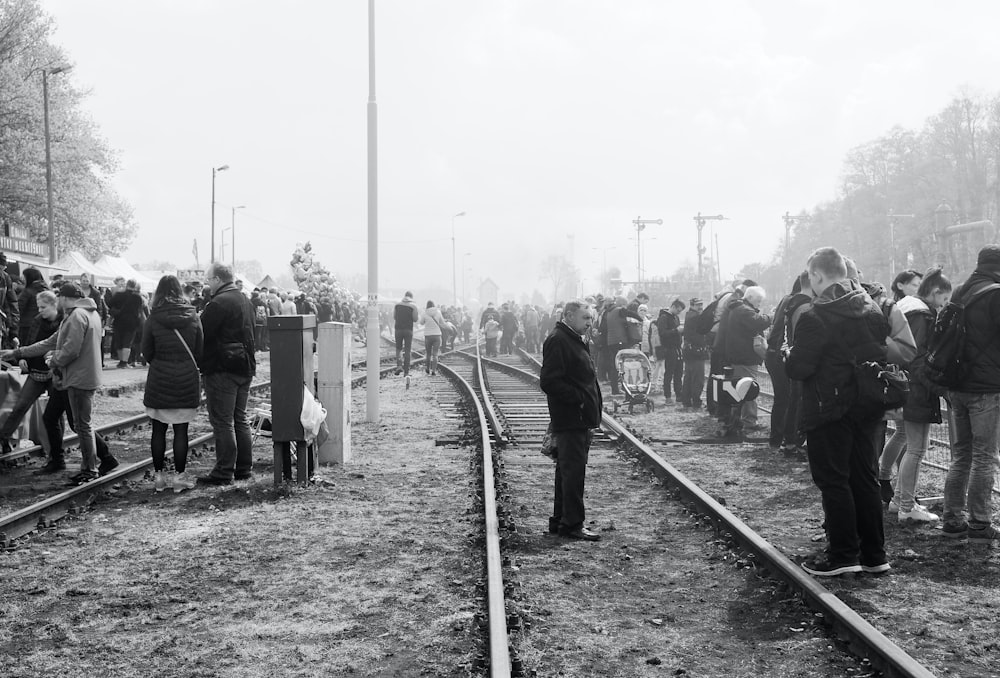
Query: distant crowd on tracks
point(817, 346)
point(191, 336)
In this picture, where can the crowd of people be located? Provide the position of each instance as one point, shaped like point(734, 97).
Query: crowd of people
point(812, 346)
point(191, 336)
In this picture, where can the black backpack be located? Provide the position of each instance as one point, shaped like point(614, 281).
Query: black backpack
point(706, 320)
point(944, 362)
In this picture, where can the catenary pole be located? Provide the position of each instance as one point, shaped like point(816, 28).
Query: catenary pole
point(374, 341)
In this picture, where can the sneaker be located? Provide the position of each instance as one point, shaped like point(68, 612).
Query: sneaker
point(160, 481)
point(182, 481)
point(918, 514)
point(953, 531)
point(983, 535)
point(880, 568)
point(825, 568)
point(894, 506)
point(122, 365)
point(53, 466)
point(212, 480)
point(108, 464)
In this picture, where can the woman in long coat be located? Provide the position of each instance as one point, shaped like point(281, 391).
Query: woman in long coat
point(172, 343)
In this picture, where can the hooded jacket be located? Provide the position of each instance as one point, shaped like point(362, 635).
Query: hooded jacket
point(173, 381)
point(228, 319)
point(923, 402)
point(405, 313)
point(667, 325)
point(569, 381)
point(695, 343)
point(742, 325)
point(76, 347)
point(982, 332)
point(27, 306)
point(842, 328)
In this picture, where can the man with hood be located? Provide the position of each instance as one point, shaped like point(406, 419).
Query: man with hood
point(405, 314)
point(489, 312)
point(842, 328)
point(76, 363)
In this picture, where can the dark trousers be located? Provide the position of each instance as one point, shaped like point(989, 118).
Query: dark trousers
point(792, 435)
point(673, 371)
point(572, 448)
point(260, 337)
point(226, 396)
point(52, 418)
point(694, 382)
point(608, 354)
point(781, 385)
point(404, 340)
point(842, 461)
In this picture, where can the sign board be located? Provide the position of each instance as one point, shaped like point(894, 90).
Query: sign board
point(191, 275)
point(24, 246)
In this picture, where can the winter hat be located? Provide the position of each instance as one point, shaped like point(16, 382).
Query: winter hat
point(408, 295)
point(71, 289)
point(989, 255)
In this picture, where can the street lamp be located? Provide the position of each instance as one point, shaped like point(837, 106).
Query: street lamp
point(454, 287)
point(46, 72)
point(233, 228)
point(214, 171)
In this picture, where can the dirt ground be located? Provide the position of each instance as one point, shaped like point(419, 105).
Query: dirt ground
point(940, 601)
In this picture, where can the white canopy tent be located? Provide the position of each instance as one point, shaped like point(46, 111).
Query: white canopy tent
point(122, 268)
point(75, 263)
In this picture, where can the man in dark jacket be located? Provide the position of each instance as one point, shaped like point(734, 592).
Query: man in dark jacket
point(695, 354)
point(975, 408)
point(787, 392)
point(744, 324)
point(570, 383)
point(667, 329)
point(228, 365)
point(842, 328)
point(405, 314)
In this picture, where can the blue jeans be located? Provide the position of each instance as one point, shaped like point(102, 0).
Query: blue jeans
point(226, 397)
point(975, 420)
point(404, 340)
point(432, 346)
point(30, 392)
point(81, 402)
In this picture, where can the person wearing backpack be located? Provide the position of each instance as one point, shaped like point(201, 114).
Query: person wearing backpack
point(841, 329)
point(975, 405)
point(695, 353)
point(923, 403)
point(667, 324)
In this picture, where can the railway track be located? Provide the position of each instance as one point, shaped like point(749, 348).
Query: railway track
point(511, 412)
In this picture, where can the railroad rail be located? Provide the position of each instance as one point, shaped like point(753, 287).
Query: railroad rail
point(520, 420)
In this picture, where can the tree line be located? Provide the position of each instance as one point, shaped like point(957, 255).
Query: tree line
point(89, 215)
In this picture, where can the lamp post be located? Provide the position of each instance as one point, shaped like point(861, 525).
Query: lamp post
point(454, 288)
point(233, 228)
point(214, 171)
point(46, 72)
point(372, 349)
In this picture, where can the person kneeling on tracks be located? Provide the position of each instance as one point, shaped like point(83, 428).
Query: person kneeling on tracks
point(569, 381)
point(733, 392)
point(74, 354)
point(842, 328)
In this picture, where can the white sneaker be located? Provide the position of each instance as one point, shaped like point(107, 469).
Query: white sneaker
point(160, 481)
point(182, 481)
point(918, 515)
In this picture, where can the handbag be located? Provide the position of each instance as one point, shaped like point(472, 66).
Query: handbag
point(880, 387)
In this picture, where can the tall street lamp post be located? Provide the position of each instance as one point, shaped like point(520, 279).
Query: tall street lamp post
point(214, 171)
point(46, 72)
point(454, 287)
point(233, 228)
point(372, 352)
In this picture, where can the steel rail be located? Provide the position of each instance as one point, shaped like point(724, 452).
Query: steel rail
point(500, 662)
point(887, 656)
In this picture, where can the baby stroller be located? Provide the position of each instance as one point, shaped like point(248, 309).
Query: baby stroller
point(634, 378)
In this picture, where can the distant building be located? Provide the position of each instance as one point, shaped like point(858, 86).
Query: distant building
point(488, 291)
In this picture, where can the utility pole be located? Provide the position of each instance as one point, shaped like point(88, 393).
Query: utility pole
point(789, 222)
point(893, 222)
point(372, 352)
point(640, 225)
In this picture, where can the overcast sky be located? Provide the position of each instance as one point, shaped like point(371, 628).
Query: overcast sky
point(539, 119)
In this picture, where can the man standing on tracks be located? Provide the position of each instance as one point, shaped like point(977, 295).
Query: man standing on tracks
point(406, 314)
point(569, 380)
point(843, 328)
point(228, 365)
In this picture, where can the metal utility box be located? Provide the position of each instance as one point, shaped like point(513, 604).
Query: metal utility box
point(291, 367)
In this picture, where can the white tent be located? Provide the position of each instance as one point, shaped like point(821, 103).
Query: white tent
point(124, 269)
point(75, 264)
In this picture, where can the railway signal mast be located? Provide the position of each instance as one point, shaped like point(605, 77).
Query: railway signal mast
point(700, 222)
point(790, 221)
point(893, 222)
point(640, 225)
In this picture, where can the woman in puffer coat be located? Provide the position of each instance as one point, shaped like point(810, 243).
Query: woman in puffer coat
point(172, 342)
